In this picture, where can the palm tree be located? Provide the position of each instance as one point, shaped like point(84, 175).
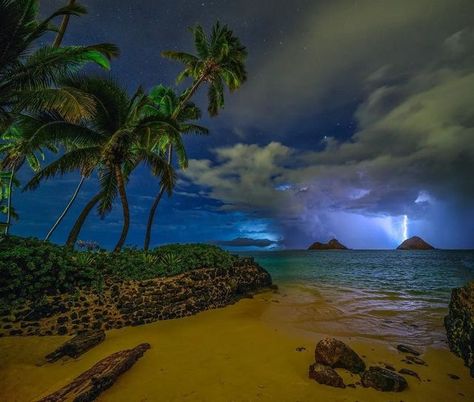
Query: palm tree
point(163, 102)
point(28, 74)
point(57, 43)
point(219, 62)
point(18, 147)
point(6, 186)
point(28, 77)
point(106, 142)
point(62, 28)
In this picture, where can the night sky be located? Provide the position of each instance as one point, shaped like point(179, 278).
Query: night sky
point(356, 122)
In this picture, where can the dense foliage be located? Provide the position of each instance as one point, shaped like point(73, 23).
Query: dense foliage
point(32, 269)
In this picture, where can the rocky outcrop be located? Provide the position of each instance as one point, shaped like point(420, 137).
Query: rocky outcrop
point(383, 380)
point(415, 243)
point(330, 245)
point(325, 375)
point(130, 303)
point(459, 324)
point(336, 354)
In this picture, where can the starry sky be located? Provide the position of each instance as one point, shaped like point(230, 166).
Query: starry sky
point(356, 122)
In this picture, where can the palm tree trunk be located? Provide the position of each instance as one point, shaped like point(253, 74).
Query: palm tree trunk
point(151, 218)
point(126, 211)
point(76, 229)
point(62, 28)
point(9, 202)
point(68, 206)
point(156, 202)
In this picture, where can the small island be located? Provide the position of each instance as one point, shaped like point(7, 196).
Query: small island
point(332, 244)
point(415, 243)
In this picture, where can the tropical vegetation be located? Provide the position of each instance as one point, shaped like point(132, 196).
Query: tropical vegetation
point(57, 120)
point(31, 269)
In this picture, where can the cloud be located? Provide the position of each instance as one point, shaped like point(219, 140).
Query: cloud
point(336, 46)
point(415, 136)
point(247, 242)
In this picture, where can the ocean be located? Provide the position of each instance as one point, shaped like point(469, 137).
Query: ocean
point(387, 294)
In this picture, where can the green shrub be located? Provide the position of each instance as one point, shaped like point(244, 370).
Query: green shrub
point(31, 269)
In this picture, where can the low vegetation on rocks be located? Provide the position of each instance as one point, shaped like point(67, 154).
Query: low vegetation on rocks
point(31, 269)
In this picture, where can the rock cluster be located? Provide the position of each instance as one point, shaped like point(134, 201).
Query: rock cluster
point(383, 380)
point(130, 303)
point(459, 324)
point(331, 353)
point(337, 354)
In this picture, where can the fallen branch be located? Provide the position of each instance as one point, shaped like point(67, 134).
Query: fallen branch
point(77, 346)
point(90, 384)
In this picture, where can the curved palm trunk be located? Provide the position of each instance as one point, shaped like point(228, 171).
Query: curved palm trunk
point(156, 202)
point(125, 208)
point(68, 206)
point(151, 218)
point(9, 202)
point(62, 28)
point(76, 229)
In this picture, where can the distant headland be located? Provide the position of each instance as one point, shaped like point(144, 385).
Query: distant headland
point(415, 243)
point(333, 244)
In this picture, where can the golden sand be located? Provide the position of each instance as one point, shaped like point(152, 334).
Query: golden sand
point(244, 352)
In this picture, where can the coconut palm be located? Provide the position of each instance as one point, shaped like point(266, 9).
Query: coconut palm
point(6, 186)
point(28, 76)
point(28, 73)
point(163, 102)
point(105, 142)
point(219, 62)
point(17, 147)
point(57, 43)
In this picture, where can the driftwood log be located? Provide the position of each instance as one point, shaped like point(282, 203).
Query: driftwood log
point(99, 377)
point(77, 346)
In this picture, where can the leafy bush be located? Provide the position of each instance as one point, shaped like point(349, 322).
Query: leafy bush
point(31, 269)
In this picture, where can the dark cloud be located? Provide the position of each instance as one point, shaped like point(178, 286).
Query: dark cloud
point(246, 242)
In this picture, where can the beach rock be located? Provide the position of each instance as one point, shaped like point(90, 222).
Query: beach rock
point(383, 380)
point(416, 360)
point(330, 245)
point(454, 376)
point(407, 349)
point(337, 354)
point(459, 324)
point(415, 243)
point(409, 372)
point(129, 302)
point(325, 375)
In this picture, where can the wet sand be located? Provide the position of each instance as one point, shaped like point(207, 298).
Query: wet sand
point(244, 352)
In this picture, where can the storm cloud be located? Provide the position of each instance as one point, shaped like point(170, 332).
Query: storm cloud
point(412, 154)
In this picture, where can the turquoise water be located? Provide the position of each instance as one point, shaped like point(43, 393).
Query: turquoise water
point(389, 294)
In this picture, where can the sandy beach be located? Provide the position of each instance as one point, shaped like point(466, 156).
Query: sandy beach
point(244, 352)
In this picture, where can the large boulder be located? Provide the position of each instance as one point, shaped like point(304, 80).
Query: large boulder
point(330, 245)
point(415, 243)
point(459, 324)
point(325, 375)
point(337, 354)
point(383, 380)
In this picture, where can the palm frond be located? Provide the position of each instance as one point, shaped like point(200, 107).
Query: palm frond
point(83, 159)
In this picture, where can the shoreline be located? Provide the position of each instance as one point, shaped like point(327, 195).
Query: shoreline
point(245, 351)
